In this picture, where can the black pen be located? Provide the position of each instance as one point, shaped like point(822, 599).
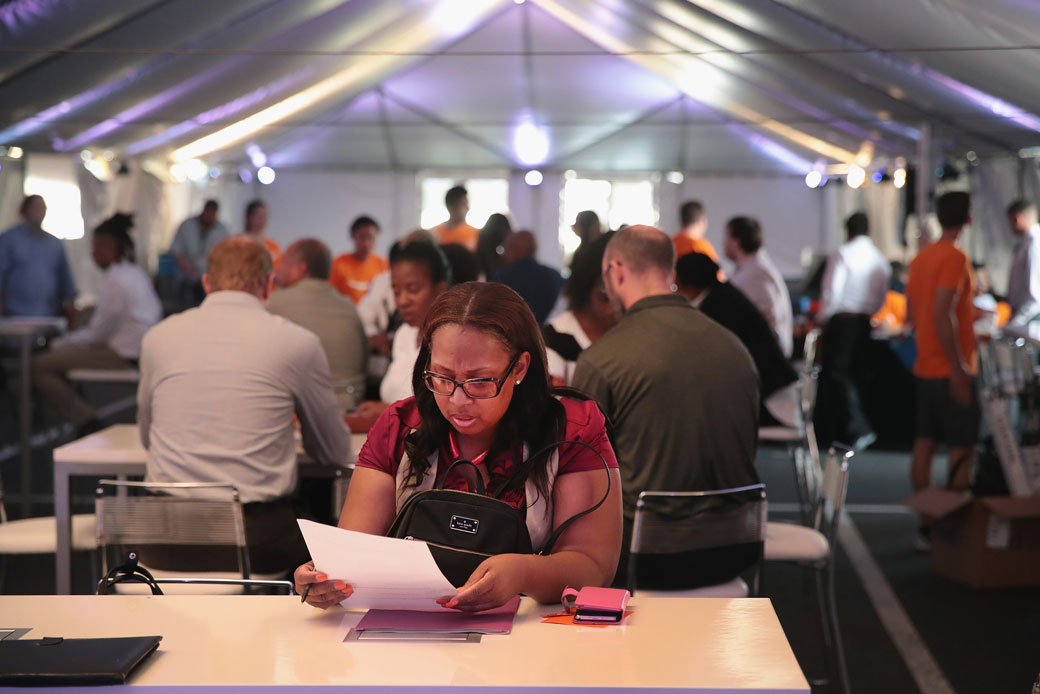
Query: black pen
point(306, 592)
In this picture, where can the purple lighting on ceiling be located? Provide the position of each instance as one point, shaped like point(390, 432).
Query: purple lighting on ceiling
point(221, 112)
point(995, 105)
point(773, 150)
point(15, 13)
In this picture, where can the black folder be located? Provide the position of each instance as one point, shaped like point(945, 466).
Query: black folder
point(63, 662)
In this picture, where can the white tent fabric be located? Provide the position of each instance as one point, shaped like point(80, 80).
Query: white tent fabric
point(711, 86)
point(729, 92)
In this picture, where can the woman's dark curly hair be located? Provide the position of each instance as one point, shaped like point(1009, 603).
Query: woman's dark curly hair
point(117, 227)
point(534, 416)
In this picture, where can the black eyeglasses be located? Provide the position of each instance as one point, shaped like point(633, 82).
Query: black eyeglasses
point(476, 388)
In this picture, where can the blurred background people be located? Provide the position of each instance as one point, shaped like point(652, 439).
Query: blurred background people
point(352, 273)
point(127, 307)
point(35, 278)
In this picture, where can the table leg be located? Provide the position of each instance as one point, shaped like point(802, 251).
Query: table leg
point(63, 517)
point(339, 491)
point(25, 423)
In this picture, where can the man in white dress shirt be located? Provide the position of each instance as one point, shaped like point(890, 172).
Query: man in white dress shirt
point(219, 386)
point(1024, 282)
point(757, 277)
point(854, 287)
point(126, 308)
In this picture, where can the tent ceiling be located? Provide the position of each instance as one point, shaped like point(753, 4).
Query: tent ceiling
point(705, 85)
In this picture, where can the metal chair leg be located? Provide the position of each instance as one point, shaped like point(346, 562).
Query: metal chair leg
point(838, 658)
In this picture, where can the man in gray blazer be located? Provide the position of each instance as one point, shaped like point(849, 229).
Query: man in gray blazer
point(305, 298)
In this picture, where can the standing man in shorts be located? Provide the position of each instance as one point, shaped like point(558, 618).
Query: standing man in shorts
point(939, 293)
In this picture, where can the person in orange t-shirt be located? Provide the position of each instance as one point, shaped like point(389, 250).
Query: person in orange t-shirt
point(256, 223)
point(690, 238)
point(939, 293)
point(353, 272)
point(455, 230)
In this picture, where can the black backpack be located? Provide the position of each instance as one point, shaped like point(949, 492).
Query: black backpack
point(462, 528)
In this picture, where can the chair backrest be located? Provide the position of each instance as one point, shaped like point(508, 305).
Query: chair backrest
point(807, 378)
point(831, 498)
point(682, 539)
point(170, 514)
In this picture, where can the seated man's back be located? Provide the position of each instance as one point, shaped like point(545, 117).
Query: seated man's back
point(680, 390)
point(307, 300)
point(219, 387)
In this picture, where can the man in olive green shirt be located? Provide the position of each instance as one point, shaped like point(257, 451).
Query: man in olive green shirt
point(681, 391)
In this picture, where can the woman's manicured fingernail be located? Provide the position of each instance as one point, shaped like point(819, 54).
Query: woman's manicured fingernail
point(322, 577)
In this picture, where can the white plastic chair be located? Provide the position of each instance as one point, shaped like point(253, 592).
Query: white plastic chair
point(816, 548)
point(39, 535)
point(672, 528)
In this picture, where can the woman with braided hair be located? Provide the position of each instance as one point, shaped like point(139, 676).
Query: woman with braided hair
point(126, 308)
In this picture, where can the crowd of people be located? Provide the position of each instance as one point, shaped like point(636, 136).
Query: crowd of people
point(457, 346)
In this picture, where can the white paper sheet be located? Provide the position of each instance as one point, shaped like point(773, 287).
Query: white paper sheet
point(385, 572)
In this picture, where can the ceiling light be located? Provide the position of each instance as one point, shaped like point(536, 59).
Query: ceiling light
point(265, 175)
point(813, 179)
point(533, 177)
point(856, 176)
point(177, 173)
point(530, 143)
point(196, 169)
point(15, 152)
point(675, 177)
point(899, 178)
point(245, 175)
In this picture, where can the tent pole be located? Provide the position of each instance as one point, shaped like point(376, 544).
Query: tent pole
point(923, 187)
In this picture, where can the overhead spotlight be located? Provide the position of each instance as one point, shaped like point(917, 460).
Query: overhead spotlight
point(245, 175)
point(675, 177)
point(214, 172)
point(899, 178)
point(530, 143)
point(971, 156)
point(86, 155)
point(570, 175)
point(196, 169)
point(533, 177)
point(265, 175)
point(108, 154)
point(15, 152)
point(813, 179)
point(856, 176)
point(177, 173)
point(256, 155)
point(879, 175)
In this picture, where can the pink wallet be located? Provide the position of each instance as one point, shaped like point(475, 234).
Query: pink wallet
point(596, 604)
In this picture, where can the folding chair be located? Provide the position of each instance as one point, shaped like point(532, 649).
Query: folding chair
point(800, 440)
point(145, 523)
point(678, 535)
point(816, 548)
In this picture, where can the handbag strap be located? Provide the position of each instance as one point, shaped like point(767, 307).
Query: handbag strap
point(581, 514)
point(130, 572)
point(479, 484)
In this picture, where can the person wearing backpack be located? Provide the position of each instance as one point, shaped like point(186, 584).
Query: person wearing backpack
point(483, 395)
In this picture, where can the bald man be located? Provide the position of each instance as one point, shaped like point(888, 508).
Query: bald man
point(538, 284)
point(219, 387)
point(681, 391)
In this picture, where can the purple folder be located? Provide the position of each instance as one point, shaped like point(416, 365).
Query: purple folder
point(445, 621)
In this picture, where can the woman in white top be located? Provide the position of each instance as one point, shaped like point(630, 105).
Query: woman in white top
point(127, 307)
point(419, 273)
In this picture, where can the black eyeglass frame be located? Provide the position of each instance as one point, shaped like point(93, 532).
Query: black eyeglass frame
point(500, 382)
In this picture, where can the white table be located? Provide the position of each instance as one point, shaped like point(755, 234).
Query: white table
point(115, 451)
point(668, 645)
point(26, 331)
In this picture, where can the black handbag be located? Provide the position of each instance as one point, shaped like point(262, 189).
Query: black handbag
point(463, 528)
